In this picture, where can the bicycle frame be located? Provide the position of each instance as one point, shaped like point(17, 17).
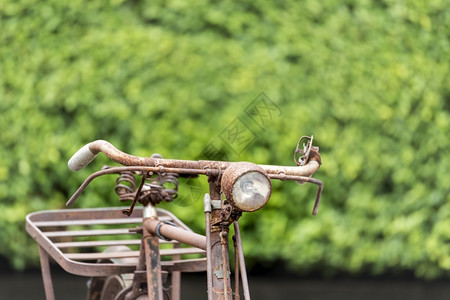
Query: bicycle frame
point(220, 214)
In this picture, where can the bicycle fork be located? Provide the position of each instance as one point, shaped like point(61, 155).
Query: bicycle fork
point(218, 218)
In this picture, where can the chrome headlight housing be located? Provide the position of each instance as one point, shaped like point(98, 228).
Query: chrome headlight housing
point(246, 186)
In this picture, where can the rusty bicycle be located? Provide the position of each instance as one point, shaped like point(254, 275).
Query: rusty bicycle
point(140, 252)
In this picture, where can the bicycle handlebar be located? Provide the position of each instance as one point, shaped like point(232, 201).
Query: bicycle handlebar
point(88, 152)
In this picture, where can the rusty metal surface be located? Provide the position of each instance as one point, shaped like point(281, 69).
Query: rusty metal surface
point(307, 170)
point(207, 209)
point(225, 264)
point(71, 266)
point(209, 168)
point(236, 270)
point(137, 289)
point(215, 252)
point(89, 244)
point(112, 152)
point(54, 244)
point(301, 179)
point(188, 167)
point(111, 255)
point(176, 277)
point(240, 255)
point(93, 232)
point(153, 264)
point(56, 223)
point(129, 160)
point(175, 233)
point(46, 275)
point(146, 264)
point(118, 170)
point(158, 188)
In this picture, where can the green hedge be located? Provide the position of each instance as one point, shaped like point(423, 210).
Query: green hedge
point(370, 79)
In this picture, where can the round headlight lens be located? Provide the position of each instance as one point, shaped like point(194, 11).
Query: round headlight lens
point(251, 191)
point(246, 186)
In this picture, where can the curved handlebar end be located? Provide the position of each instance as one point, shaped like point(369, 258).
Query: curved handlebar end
point(81, 158)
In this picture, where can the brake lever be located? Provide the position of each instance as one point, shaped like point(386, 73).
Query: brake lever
point(303, 179)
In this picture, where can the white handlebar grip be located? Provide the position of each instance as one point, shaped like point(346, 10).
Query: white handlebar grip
point(81, 159)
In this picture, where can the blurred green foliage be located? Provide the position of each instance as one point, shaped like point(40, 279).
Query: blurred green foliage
point(370, 79)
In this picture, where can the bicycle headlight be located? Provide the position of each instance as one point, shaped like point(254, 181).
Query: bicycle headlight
point(246, 186)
